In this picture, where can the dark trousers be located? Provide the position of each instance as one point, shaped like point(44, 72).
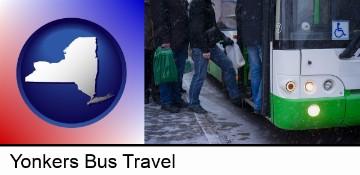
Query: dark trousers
point(150, 87)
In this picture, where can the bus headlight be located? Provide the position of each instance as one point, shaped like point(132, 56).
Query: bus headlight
point(328, 85)
point(310, 86)
point(290, 86)
point(314, 110)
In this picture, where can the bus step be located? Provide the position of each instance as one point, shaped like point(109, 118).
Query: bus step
point(251, 103)
point(267, 117)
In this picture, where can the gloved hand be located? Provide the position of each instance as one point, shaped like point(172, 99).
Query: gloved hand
point(227, 41)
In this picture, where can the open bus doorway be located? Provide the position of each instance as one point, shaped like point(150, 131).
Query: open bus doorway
point(226, 22)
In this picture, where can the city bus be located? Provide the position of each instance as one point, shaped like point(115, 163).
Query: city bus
point(311, 63)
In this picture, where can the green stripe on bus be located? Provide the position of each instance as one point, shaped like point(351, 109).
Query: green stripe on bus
point(316, 11)
point(352, 114)
point(292, 114)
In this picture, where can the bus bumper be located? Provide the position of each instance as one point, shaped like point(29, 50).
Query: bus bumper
point(293, 114)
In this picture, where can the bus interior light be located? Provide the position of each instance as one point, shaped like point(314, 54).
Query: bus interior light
point(310, 86)
point(314, 110)
point(328, 85)
point(290, 86)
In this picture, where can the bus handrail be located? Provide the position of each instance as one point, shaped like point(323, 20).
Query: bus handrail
point(351, 49)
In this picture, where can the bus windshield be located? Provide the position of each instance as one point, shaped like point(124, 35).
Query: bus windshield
point(304, 20)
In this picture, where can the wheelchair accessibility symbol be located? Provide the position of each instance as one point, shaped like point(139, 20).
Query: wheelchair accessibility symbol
point(340, 30)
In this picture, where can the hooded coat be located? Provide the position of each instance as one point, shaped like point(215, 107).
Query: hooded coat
point(171, 23)
point(202, 18)
point(249, 19)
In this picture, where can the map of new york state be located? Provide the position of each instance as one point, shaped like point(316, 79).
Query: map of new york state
point(79, 66)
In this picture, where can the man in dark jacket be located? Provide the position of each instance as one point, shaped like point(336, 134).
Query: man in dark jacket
point(249, 23)
point(150, 87)
point(171, 30)
point(202, 18)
